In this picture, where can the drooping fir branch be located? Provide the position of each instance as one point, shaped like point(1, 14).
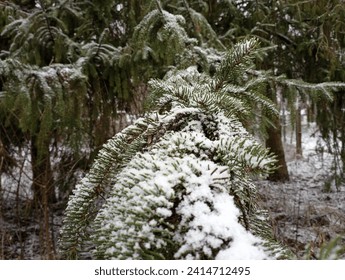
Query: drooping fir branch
point(42, 5)
point(156, 30)
point(203, 30)
point(195, 25)
point(324, 89)
point(48, 87)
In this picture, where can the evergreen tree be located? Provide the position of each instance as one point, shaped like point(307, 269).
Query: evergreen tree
point(177, 183)
point(76, 76)
point(53, 93)
point(302, 46)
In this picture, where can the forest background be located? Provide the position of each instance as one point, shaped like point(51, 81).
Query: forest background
point(74, 73)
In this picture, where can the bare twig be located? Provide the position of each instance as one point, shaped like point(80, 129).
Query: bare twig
point(159, 6)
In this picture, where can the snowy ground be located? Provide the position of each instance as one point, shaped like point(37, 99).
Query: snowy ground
point(309, 210)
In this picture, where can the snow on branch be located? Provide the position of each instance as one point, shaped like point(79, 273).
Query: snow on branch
point(325, 88)
point(177, 183)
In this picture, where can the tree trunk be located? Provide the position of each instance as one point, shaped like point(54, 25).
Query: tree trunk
point(42, 184)
point(299, 152)
point(275, 144)
point(44, 194)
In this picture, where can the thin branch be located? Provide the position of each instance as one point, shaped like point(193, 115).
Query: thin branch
point(159, 6)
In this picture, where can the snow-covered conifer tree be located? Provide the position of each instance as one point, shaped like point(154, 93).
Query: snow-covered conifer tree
point(177, 183)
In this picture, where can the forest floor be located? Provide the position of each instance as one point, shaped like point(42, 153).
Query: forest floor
point(309, 210)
